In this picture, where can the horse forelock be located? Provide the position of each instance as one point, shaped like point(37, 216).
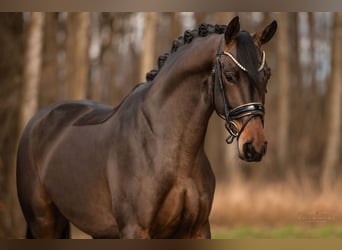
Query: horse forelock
point(247, 55)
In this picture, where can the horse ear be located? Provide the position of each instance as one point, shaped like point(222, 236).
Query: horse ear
point(232, 29)
point(268, 33)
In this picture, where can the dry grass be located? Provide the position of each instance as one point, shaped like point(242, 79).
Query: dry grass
point(242, 204)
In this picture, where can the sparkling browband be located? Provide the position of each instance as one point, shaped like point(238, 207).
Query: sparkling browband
point(242, 67)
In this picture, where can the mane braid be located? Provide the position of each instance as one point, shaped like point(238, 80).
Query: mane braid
point(247, 55)
point(202, 31)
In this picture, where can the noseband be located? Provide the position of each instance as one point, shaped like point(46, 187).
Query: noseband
point(248, 110)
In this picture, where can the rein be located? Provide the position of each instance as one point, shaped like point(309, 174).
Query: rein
point(248, 110)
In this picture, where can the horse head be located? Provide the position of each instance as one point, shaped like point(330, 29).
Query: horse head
point(239, 82)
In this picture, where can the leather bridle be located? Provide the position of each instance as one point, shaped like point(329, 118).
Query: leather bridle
point(248, 110)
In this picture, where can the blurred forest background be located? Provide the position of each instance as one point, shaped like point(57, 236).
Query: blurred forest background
point(46, 57)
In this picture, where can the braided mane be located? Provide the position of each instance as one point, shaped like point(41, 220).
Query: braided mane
point(202, 31)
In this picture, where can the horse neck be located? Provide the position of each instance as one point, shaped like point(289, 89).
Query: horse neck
point(181, 95)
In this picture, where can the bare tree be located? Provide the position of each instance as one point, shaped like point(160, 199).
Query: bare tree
point(223, 17)
point(11, 70)
point(200, 17)
point(32, 70)
point(96, 55)
point(296, 155)
point(313, 108)
point(123, 68)
point(333, 119)
point(49, 85)
point(77, 55)
point(284, 89)
point(175, 25)
point(148, 44)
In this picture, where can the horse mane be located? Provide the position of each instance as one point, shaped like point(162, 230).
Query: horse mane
point(202, 31)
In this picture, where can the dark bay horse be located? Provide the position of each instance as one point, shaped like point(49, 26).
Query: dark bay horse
point(140, 170)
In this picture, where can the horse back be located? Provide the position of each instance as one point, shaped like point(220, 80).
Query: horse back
point(50, 122)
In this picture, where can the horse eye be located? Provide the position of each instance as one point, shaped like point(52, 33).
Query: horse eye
point(229, 77)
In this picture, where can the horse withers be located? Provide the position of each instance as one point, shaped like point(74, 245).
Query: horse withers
point(140, 170)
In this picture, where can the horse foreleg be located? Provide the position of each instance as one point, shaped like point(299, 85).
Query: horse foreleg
point(134, 232)
point(203, 232)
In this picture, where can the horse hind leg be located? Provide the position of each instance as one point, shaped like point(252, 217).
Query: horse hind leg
point(44, 220)
point(50, 223)
point(65, 234)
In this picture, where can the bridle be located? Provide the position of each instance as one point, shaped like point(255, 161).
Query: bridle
point(248, 110)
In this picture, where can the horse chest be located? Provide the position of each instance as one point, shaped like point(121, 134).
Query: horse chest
point(183, 210)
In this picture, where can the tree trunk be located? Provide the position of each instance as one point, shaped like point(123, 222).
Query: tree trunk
point(298, 102)
point(284, 95)
point(175, 26)
point(148, 58)
point(11, 70)
point(223, 17)
point(77, 55)
point(96, 85)
point(333, 118)
point(315, 112)
point(200, 17)
point(32, 70)
point(49, 85)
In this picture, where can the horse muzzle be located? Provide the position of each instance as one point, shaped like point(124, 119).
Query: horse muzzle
point(250, 154)
point(252, 144)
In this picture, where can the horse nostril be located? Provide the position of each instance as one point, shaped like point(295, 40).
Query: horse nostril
point(251, 154)
point(249, 150)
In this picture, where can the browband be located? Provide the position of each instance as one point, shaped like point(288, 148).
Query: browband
point(242, 67)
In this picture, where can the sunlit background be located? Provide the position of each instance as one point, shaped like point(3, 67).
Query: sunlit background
point(293, 192)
